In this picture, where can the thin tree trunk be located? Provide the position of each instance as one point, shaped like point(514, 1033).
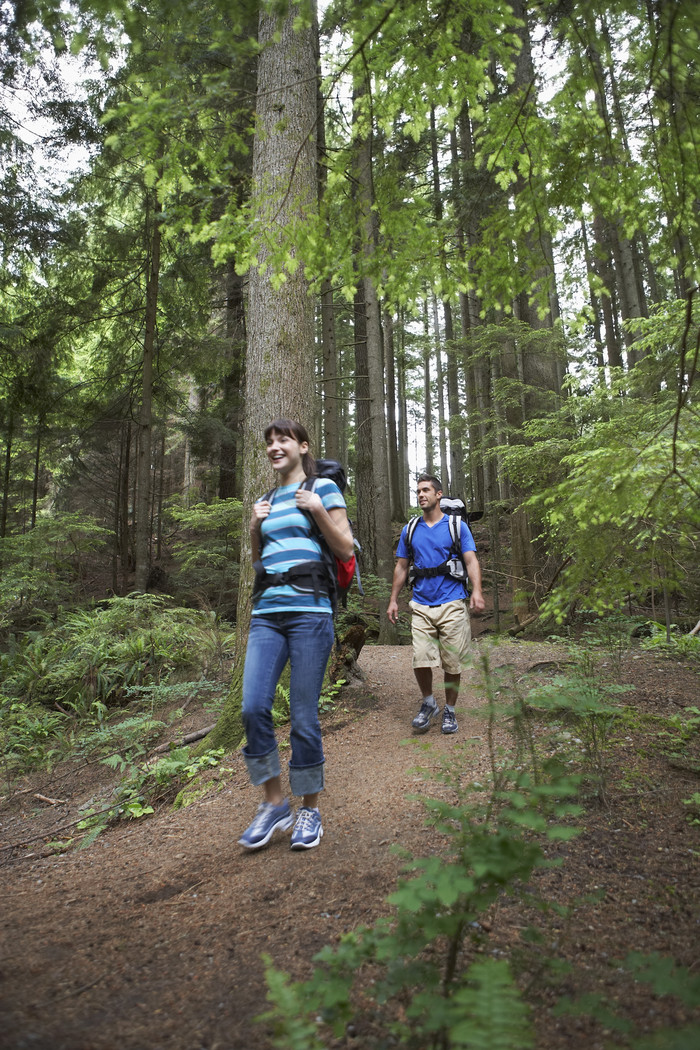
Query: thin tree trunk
point(442, 427)
point(403, 422)
point(428, 395)
point(37, 466)
point(143, 466)
point(6, 475)
point(363, 434)
point(396, 502)
point(124, 544)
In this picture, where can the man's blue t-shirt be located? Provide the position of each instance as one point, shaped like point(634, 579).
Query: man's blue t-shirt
point(432, 545)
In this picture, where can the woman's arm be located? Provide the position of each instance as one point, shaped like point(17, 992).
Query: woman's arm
point(260, 512)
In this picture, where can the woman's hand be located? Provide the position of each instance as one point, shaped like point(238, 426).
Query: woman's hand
point(260, 512)
point(308, 501)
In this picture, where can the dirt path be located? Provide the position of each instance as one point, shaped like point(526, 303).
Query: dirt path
point(152, 937)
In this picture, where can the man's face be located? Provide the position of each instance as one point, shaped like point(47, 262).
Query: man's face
point(428, 497)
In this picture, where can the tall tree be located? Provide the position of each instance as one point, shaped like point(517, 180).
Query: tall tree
point(280, 360)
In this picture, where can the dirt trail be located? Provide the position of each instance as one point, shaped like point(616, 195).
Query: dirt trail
point(152, 937)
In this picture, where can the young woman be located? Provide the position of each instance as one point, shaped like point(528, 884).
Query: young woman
point(292, 619)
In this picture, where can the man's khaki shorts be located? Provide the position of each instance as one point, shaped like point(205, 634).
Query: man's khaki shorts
point(441, 636)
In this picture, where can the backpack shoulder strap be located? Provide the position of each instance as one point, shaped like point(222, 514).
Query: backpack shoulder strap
point(410, 529)
point(309, 483)
point(455, 523)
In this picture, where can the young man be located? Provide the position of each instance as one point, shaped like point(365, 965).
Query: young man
point(440, 617)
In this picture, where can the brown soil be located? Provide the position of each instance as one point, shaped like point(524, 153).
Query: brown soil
point(153, 935)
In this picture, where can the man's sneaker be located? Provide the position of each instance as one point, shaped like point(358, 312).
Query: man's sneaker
point(307, 830)
point(449, 722)
point(427, 713)
point(266, 821)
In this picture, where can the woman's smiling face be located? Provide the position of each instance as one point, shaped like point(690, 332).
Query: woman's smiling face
point(284, 452)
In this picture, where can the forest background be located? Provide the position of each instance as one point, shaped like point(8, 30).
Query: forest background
point(446, 235)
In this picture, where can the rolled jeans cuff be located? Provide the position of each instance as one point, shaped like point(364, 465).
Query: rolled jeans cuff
point(306, 780)
point(262, 767)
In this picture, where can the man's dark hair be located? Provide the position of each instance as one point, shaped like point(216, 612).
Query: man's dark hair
point(435, 482)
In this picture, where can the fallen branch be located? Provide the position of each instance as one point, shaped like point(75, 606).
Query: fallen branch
point(51, 801)
point(189, 739)
point(518, 627)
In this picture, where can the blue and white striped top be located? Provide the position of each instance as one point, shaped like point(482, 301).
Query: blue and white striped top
point(287, 539)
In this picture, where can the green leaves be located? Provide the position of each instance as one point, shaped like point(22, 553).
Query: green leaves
point(487, 1012)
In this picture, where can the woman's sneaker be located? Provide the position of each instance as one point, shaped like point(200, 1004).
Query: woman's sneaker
point(428, 712)
point(308, 830)
point(449, 722)
point(266, 821)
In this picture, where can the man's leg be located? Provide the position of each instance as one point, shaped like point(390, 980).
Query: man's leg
point(451, 688)
point(455, 641)
point(424, 677)
point(425, 657)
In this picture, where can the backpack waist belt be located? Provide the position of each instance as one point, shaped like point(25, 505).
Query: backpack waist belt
point(433, 570)
point(308, 577)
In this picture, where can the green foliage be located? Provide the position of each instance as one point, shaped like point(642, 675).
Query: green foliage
point(207, 549)
point(417, 956)
point(326, 701)
point(587, 705)
point(46, 565)
point(693, 804)
point(63, 687)
point(143, 786)
point(672, 643)
point(665, 978)
point(93, 657)
point(26, 731)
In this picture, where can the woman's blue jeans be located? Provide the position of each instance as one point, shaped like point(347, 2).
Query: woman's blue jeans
point(306, 640)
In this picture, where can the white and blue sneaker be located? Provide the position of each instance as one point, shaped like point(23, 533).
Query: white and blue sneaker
point(308, 829)
point(449, 722)
point(266, 821)
point(425, 717)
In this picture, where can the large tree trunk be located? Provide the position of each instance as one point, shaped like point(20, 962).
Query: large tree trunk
point(330, 403)
point(281, 332)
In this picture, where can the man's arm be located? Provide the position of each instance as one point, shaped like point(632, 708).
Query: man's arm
point(400, 577)
point(476, 601)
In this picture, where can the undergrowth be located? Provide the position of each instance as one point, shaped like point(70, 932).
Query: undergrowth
point(424, 977)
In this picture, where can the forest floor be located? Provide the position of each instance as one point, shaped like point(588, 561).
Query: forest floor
point(153, 935)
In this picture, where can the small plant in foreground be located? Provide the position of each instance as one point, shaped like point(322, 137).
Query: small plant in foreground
point(586, 705)
point(414, 971)
point(142, 785)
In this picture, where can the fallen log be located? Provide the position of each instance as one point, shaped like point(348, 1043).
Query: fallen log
point(189, 739)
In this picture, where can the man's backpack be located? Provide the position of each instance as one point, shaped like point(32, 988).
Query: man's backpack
point(338, 575)
point(454, 565)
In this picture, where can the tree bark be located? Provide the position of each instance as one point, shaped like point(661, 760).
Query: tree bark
point(396, 500)
point(280, 360)
point(142, 534)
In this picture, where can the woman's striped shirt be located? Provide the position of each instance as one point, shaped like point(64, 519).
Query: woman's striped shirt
point(287, 538)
